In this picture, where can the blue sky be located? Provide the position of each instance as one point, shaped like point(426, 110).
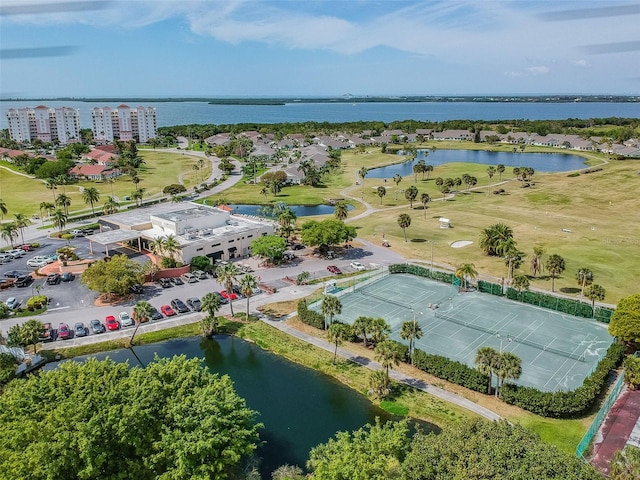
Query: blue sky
point(322, 48)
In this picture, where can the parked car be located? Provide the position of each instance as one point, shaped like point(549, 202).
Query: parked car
point(12, 303)
point(47, 333)
point(246, 268)
point(229, 296)
point(334, 269)
point(6, 283)
point(24, 281)
point(36, 263)
point(15, 274)
point(77, 233)
point(53, 279)
point(237, 290)
point(194, 304)
point(222, 299)
point(111, 323)
point(176, 281)
point(199, 274)
point(125, 319)
point(189, 277)
point(26, 248)
point(64, 333)
point(67, 277)
point(167, 311)
point(358, 266)
point(179, 306)
point(165, 282)
point(155, 314)
point(297, 246)
point(16, 253)
point(5, 258)
point(79, 329)
point(96, 326)
point(45, 258)
point(136, 288)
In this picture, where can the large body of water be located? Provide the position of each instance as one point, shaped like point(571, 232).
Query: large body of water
point(183, 113)
point(540, 162)
point(299, 407)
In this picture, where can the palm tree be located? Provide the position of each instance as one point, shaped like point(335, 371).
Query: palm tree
point(509, 366)
point(287, 221)
point(196, 168)
point(142, 312)
point(3, 209)
point(381, 191)
point(424, 199)
point(593, 293)
point(491, 171)
point(21, 222)
point(362, 326)
point(500, 170)
point(62, 180)
point(59, 218)
point(584, 276)
point(336, 334)
point(227, 276)
point(248, 284)
point(9, 232)
point(211, 305)
point(91, 195)
point(411, 331)
point(111, 181)
point(388, 356)
point(341, 211)
point(110, 206)
point(493, 238)
point(52, 185)
point(466, 271)
point(485, 361)
point(380, 329)
point(331, 306)
point(411, 194)
point(397, 178)
point(157, 246)
point(555, 266)
point(362, 173)
point(536, 265)
point(171, 246)
point(404, 222)
point(63, 201)
point(137, 195)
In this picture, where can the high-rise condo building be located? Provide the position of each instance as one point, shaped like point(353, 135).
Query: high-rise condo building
point(45, 124)
point(124, 123)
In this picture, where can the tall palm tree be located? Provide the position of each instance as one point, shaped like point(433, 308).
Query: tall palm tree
point(424, 199)
point(535, 264)
point(381, 191)
point(411, 194)
point(491, 171)
point(52, 185)
point(46, 207)
point(137, 195)
point(227, 276)
point(500, 170)
point(427, 169)
point(157, 246)
point(287, 221)
point(111, 181)
point(59, 218)
point(341, 211)
point(593, 293)
point(64, 181)
point(411, 331)
point(91, 195)
point(584, 276)
point(493, 238)
point(380, 330)
point(388, 356)
point(142, 312)
point(362, 326)
point(110, 206)
point(397, 178)
point(336, 334)
point(509, 367)
point(485, 361)
point(331, 306)
point(196, 168)
point(21, 222)
point(64, 201)
point(3, 209)
point(248, 284)
point(555, 266)
point(9, 232)
point(362, 173)
point(211, 305)
point(404, 222)
point(171, 246)
point(466, 272)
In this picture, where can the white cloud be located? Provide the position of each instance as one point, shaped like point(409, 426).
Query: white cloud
point(581, 63)
point(530, 71)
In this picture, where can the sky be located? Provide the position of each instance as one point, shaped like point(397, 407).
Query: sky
point(244, 48)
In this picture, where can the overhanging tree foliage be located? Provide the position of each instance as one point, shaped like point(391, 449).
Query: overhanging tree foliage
point(172, 419)
point(269, 246)
point(625, 321)
point(326, 233)
point(115, 275)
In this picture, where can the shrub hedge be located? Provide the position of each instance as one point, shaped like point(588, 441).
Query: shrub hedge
point(446, 277)
point(310, 317)
point(450, 370)
point(565, 404)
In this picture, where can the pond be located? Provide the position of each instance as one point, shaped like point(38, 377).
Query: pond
point(541, 162)
point(299, 210)
point(299, 407)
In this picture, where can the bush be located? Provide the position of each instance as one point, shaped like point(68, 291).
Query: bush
point(310, 317)
point(201, 263)
point(451, 370)
point(574, 174)
point(8, 366)
point(565, 404)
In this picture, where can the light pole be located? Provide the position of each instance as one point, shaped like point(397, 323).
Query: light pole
point(501, 340)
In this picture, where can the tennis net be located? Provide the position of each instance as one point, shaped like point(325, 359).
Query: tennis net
point(384, 299)
point(513, 338)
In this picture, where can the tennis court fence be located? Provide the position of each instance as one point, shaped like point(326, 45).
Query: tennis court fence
point(514, 338)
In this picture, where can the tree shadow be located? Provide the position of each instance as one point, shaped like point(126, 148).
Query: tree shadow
point(418, 240)
point(570, 290)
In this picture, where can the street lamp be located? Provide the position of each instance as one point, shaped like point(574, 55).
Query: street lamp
point(501, 340)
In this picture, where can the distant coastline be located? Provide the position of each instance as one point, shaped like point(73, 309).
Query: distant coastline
point(276, 101)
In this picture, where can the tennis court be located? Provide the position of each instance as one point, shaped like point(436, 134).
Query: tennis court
point(558, 351)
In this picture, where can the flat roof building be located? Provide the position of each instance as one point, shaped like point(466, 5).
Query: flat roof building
point(45, 124)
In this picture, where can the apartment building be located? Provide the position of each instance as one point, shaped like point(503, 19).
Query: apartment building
point(123, 123)
point(43, 123)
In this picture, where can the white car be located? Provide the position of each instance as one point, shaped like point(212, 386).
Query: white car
point(358, 266)
point(43, 258)
point(125, 319)
point(12, 303)
point(33, 262)
point(16, 253)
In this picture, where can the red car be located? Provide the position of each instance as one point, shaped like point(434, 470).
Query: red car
point(229, 296)
point(26, 248)
point(111, 323)
point(63, 331)
point(334, 269)
point(167, 311)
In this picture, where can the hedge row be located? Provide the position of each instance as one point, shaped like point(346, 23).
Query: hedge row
point(445, 277)
point(310, 317)
point(565, 404)
point(450, 370)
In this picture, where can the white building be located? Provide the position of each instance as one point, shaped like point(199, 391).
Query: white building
point(199, 229)
point(123, 123)
point(44, 123)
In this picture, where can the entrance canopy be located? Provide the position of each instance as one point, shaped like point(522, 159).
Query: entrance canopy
point(113, 236)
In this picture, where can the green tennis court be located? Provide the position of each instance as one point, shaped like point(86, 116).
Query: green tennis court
point(558, 351)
